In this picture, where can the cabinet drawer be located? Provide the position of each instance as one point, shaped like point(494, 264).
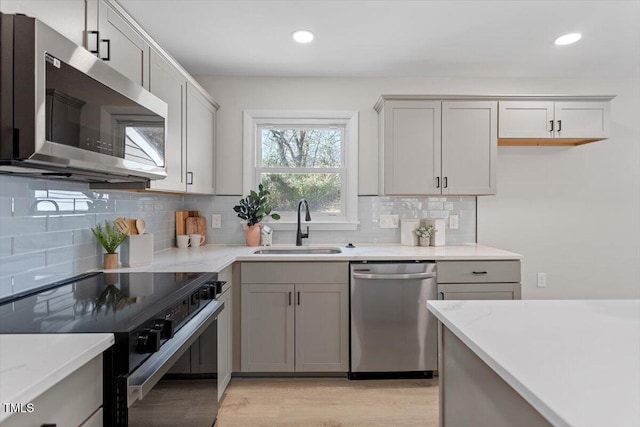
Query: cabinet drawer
point(478, 271)
point(479, 291)
point(295, 272)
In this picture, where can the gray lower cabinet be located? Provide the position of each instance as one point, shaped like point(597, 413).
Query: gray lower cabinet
point(225, 334)
point(479, 280)
point(295, 317)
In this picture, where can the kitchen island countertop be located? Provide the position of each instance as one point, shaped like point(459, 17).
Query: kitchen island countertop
point(213, 258)
point(30, 364)
point(577, 362)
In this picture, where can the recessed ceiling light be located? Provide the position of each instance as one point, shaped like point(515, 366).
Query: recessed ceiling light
point(303, 36)
point(568, 39)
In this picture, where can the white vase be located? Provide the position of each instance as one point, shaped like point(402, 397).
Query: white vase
point(425, 241)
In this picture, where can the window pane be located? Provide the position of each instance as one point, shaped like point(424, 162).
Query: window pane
point(302, 148)
point(322, 191)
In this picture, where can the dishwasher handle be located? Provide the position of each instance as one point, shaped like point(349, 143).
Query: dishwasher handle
point(394, 276)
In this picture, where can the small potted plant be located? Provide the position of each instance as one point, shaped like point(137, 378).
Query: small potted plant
point(110, 238)
point(424, 233)
point(253, 209)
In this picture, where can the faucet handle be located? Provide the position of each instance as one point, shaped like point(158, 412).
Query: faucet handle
point(306, 235)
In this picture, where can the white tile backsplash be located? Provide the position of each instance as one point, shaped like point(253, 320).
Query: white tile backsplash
point(45, 226)
point(369, 210)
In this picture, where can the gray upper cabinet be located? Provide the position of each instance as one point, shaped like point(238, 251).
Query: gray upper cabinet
point(437, 147)
point(554, 122)
point(65, 16)
point(117, 42)
point(167, 83)
point(469, 147)
point(201, 121)
point(410, 160)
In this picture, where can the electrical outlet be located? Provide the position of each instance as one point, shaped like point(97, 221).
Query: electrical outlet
point(216, 221)
point(389, 221)
point(454, 222)
point(542, 280)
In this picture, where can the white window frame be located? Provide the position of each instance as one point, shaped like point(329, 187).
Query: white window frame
point(255, 119)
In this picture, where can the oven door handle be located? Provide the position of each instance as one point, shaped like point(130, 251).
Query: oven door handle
point(394, 276)
point(143, 379)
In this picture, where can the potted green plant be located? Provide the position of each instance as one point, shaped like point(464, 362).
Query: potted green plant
point(253, 209)
point(424, 233)
point(110, 238)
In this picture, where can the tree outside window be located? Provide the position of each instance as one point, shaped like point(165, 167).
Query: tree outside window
point(303, 162)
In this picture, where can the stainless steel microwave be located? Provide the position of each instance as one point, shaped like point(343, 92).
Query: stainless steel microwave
point(66, 114)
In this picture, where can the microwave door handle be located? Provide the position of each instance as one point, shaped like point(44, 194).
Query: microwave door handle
point(394, 276)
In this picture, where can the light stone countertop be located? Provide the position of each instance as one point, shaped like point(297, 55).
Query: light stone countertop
point(214, 258)
point(577, 362)
point(31, 364)
point(25, 373)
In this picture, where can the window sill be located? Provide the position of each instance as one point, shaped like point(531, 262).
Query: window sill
point(314, 225)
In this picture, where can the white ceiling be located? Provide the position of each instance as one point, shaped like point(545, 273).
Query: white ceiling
point(391, 38)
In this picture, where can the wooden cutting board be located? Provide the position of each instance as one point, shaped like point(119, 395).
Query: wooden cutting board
point(197, 225)
point(181, 217)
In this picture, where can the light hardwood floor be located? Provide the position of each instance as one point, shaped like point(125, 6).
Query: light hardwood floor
point(329, 402)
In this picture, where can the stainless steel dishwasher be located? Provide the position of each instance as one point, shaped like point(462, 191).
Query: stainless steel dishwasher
point(392, 332)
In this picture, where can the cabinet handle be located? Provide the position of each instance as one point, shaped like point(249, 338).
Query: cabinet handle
point(289, 298)
point(108, 42)
point(479, 272)
point(551, 121)
point(49, 425)
point(298, 298)
point(189, 178)
point(97, 34)
point(445, 183)
point(437, 182)
point(559, 125)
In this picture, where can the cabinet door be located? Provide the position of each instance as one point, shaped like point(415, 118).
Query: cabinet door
point(469, 147)
point(479, 291)
point(411, 147)
point(64, 16)
point(121, 46)
point(225, 335)
point(526, 119)
point(267, 328)
point(201, 116)
point(167, 83)
point(582, 119)
point(322, 327)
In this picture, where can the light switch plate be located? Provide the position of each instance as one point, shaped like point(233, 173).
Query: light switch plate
point(216, 221)
point(389, 221)
point(454, 222)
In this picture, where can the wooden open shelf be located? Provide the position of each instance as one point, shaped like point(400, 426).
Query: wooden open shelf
point(551, 142)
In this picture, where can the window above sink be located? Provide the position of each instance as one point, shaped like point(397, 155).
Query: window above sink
point(305, 154)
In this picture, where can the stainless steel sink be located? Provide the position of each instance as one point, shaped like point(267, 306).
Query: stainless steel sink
point(294, 251)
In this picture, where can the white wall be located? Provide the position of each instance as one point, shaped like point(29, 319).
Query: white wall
point(573, 213)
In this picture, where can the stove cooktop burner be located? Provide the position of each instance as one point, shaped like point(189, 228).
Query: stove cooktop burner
point(98, 302)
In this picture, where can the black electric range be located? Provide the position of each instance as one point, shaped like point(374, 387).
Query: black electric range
point(143, 311)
